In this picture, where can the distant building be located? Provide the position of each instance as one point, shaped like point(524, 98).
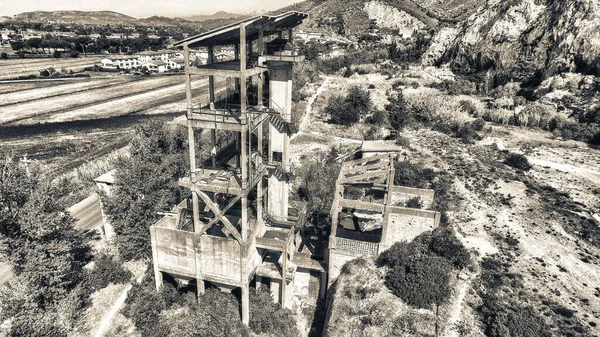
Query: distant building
point(155, 66)
point(121, 62)
point(175, 64)
point(162, 55)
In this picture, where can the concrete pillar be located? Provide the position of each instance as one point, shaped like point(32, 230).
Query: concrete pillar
point(200, 286)
point(323, 285)
point(280, 92)
point(213, 143)
point(276, 290)
point(211, 80)
point(284, 292)
point(245, 304)
point(158, 277)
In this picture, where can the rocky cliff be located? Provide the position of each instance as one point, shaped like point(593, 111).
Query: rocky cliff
point(521, 39)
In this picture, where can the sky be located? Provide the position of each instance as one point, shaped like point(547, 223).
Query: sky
point(144, 8)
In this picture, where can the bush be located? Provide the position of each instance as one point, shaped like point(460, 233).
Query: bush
point(422, 282)
point(4, 56)
point(443, 242)
point(106, 270)
point(348, 110)
point(379, 117)
point(412, 175)
point(318, 182)
point(268, 317)
point(414, 202)
point(74, 54)
point(518, 161)
point(508, 318)
point(57, 54)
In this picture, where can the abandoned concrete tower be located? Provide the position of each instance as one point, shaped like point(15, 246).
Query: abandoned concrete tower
point(238, 228)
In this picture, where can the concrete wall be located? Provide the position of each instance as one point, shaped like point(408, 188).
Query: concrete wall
point(175, 251)
point(278, 197)
point(402, 194)
point(336, 262)
point(407, 223)
point(220, 257)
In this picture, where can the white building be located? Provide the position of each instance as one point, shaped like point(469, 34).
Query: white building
point(162, 55)
point(175, 64)
point(155, 66)
point(121, 62)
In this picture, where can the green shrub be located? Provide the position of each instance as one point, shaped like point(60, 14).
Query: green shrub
point(414, 202)
point(443, 242)
point(508, 318)
point(349, 109)
point(518, 161)
point(268, 317)
point(379, 117)
point(106, 270)
point(423, 281)
point(412, 175)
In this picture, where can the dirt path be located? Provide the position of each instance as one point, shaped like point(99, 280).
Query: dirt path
point(107, 319)
point(457, 306)
point(309, 110)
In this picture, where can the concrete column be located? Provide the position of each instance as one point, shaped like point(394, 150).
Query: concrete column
point(275, 290)
point(244, 219)
point(245, 304)
point(211, 80)
point(213, 143)
point(158, 278)
point(261, 43)
point(284, 273)
point(323, 285)
point(200, 286)
point(258, 282)
point(259, 186)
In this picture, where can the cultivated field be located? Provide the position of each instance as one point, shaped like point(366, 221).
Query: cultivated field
point(14, 68)
point(69, 122)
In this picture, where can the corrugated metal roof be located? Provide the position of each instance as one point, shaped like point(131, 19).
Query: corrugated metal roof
point(230, 34)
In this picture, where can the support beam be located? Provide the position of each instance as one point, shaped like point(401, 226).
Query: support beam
point(200, 286)
point(261, 42)
point(213, 207)
point(284, 278)
point(245, 304)
point(211, 80)
point(158, 277)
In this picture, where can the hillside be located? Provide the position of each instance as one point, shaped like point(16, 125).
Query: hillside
point(100, 18)
point(78, 17)
point(216, 16)
point(520, 38)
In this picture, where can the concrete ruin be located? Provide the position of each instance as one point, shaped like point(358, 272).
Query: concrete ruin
point(370, 221)
point(238, 229)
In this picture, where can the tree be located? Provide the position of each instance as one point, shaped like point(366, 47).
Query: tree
point(359, 99)
point(268, 317)
point(46, 254)
point(146, 182)
point(17, 45)
point(349, 109)
point(318, 184)
point(396, 108)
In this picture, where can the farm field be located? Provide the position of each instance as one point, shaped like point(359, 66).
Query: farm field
point(64, 124)
point(12, 69)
